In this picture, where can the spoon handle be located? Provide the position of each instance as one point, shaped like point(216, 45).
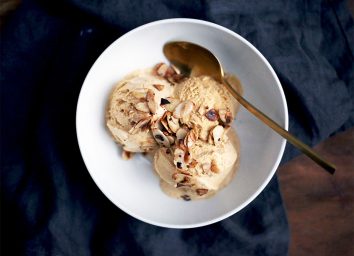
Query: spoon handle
point(277, 128)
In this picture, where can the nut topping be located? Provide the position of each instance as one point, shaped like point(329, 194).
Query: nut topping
point(201, 191)
point(186, 197)
point(159, 86)
point(142, 124)
point(142, 106)
point(217, 134)
point(152, 104)
point(225, 116)
point(126, 155)
point(190, 138)
point(173, 122)
point(183, 109)
point(160, 137)
point(212, 115)
point(214, 168)
point(181, 133)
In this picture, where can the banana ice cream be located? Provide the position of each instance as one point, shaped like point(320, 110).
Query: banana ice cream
point(184, 121)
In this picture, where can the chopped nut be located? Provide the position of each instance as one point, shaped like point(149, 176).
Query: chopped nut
point(160, 137)
point(225, 116)
point(173, 122)
point(142, 124)
point(187, 158)
point(186, 197)
point(171, 139)
point(214, 168)
point(212, 115)
point(183, 109)
point(138, 94)
point(159, 86)
point(201, 191)
point(160, 69)
point(181, 133)
point(190, 138)
point(142, 106)
point(165, 123)
point(217, 134)
point(152, 104)
point(173, 102)
point(126, 155)
point(170, 72)
point(193, 163)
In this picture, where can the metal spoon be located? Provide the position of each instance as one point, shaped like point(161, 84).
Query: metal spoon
point(194, 60)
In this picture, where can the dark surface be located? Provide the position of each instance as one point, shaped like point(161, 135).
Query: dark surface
point(49, 203)
point(320, 207)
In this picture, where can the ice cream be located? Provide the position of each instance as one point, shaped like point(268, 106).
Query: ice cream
point(211, 168)
point(185, 121)
point(130, 112)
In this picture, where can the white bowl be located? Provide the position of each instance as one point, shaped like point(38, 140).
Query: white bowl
point(132, 185)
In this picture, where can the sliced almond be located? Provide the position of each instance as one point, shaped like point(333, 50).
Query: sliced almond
point(177, 113)
point(170, 72)
point(126, 155)
point(181, 133)
point(160, 138)
point(159, 86)
point(164, 123)
point(188, 108)
point(183, 109)
point(143, 123)
point(136, 116)
point(186, 197)
point(210, 137)
point(171, 139)
point(173, 102)
point(211, 115)
point(217, 133)
point(201, 191)
point(181, 145)
point(193, 163)
point(187, 158)
point(142, 106)
point(151, 101)
point(225, 116)
point(190, 138)
point(178, 159)
point(173, 122)
point(139, 94)
point(160, 69)
point(213, 167)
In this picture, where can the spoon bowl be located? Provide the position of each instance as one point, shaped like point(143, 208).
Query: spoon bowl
point(195, 60)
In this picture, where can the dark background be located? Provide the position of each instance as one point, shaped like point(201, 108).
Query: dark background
point(49, 203)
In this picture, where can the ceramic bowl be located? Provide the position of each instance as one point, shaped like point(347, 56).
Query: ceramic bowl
point(132, 185)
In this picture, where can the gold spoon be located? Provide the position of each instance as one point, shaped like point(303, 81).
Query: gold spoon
point(194, 60)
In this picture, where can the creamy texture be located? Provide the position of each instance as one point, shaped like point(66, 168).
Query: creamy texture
point(184, 122)
point(206, 94)
point(122, 113)
point(225, 157)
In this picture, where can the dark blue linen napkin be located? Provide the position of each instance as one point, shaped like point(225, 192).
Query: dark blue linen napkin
point(49, 203)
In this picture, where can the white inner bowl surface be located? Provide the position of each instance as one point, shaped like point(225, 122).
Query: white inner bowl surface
point(132, 185)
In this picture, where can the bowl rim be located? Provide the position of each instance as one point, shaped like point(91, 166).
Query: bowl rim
point(275, 165)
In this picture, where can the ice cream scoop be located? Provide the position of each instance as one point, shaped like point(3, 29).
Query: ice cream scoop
point(211, 168)
point(134, 103)
point(195, 60)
